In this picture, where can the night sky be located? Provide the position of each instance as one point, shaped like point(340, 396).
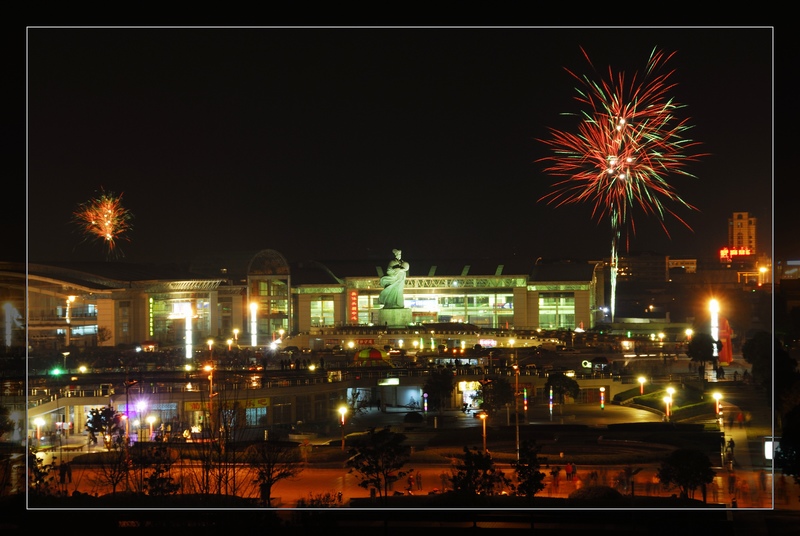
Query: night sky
point(344, 143)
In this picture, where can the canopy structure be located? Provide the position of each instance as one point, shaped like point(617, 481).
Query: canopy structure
point(372, 356)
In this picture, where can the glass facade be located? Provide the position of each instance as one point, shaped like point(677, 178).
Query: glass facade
point(322, 312)
point(557, 310)
point(483, 310)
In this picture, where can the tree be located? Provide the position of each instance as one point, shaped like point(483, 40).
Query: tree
point(115, 468)
point(273, 461)
point(701, 348)
point(6, 424)
point(787, 455)
point(476, 475)
point(496, 393)
point(771, 362)
point(439, 387)
point(107, 423)
point(378, 458)
point(159, 483)
point(40, 477)
point(688, 469)
point(530, 479)
point(562, 386)
point(103, 334)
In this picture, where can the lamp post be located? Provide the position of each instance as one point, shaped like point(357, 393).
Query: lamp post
point(713, 307)
point(210, 370)
point(670, 395)
point(65, 354)
point(602, 398)
point(516, 405)
point(718, 409)
point(342, 412)
point(483, 419)
point(39, 422)
point(667, 402)
point(150, 420)
point(641, 384)
point(253, 324)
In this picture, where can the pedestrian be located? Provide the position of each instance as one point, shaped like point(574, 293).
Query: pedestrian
point(731, 446)
point(730, 420)
point(732, 483)
point(568, 471)
point(762, 480)
point(410, 483)
point(714, 487)
point(735, 375)
point(740, 419)
point(419, 480)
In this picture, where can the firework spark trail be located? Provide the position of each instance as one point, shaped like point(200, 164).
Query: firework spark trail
point(105, 219)
point(627, 142)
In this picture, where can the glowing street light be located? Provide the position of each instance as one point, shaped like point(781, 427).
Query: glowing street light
point(253, 324)
point(713, 307)
point(342, 412)
point(150, 420)
point(230, 344)
point(642, 379)
point(602, 398)
point(717, 398)
point(670, 395)
point(236, 335)
point(667, 402)
point(516, 403)
point(483, 418)
point(210, 345)
point(39, 422)
point(210, 370)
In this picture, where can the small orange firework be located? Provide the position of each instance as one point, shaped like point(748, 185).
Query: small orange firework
point(105, 219)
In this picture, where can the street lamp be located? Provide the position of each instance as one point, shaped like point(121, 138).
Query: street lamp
point(713, 306)
point(483, 418)
point(667, 402)
point(641, 384)
point(516, 404)
point(39, 422)
point(210, 370)
point(236, 335)
point(150, 420)
point(342, 412)
point(602, 398)
point(253, 324)
point(670, 395)
point(65, 354)
point(717, 398)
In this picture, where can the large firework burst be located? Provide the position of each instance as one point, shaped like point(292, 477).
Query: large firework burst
point(105, 219)
point(627, 143)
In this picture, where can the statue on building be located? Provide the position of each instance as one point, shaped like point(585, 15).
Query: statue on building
point(391, 296)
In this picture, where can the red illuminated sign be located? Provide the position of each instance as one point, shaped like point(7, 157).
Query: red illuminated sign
point(727, 254)
point(353, 306)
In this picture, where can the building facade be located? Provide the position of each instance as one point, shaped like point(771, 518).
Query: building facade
point(252, 300)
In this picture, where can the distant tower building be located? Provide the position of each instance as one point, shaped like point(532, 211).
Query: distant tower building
point(742, 232)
